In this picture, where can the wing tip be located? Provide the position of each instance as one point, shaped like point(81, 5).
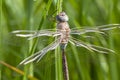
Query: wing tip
point(17, 31)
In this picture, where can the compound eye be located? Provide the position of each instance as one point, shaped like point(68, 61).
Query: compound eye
point(62, 15)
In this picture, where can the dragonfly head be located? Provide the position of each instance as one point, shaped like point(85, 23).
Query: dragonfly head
point(62, 17)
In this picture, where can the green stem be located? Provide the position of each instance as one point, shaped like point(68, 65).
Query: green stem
point(58, 56)
point(58, 64)
point(29, 13)
point(59, 6)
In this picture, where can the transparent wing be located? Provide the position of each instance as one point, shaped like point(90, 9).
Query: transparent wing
point(33, 34)
point(90, 47)
point(38, 55)
point(24, 33)
point(98, 29)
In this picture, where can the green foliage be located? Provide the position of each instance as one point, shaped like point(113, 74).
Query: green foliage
point(40, 14)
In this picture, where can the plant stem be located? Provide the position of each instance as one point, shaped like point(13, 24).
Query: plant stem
point(65, 66)
point(58, 56)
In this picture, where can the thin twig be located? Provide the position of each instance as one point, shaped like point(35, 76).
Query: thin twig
point(17, 70)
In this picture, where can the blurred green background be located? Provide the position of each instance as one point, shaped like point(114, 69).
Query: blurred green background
point(40, 14)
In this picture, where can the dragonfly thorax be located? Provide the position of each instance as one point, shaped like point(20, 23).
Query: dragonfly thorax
point(63, 27)
point(64, 35)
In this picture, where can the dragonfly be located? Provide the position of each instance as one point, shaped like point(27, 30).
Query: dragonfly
point(63, 35)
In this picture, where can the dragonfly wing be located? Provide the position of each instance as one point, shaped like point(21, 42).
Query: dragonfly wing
point(52, 46)
point(90, 47)
point(38, 55)
point(24, 33)
point(108, 27)
point(84, 31)
point(100, 49)
point(33, 34)
point(44, 33)
point(78, 43)
point(98, 29)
